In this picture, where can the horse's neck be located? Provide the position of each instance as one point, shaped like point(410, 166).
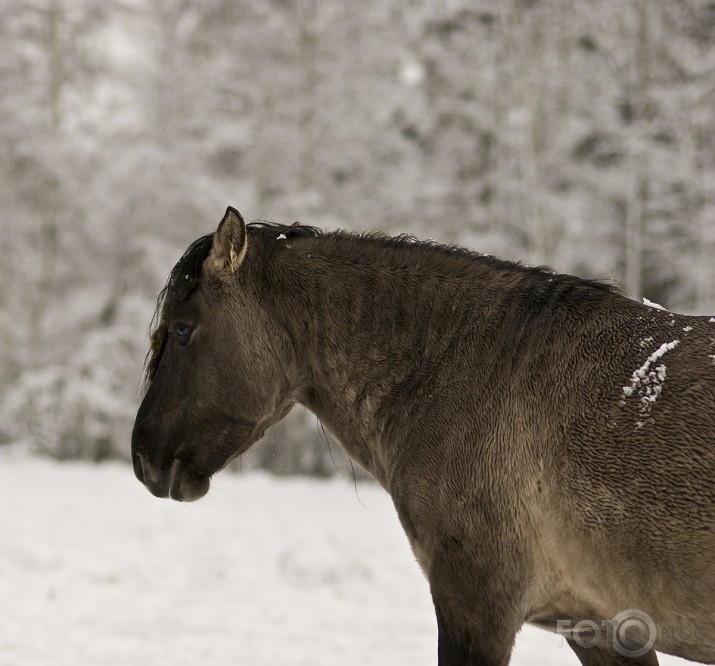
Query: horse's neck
point(365, 339)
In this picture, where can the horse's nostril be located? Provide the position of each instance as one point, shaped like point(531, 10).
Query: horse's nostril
point(139, 467)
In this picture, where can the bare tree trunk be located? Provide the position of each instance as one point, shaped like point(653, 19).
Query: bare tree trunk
point(525, 89)
point(49, 241)
point(634, 226)
point(306, 14)
point(638, 185)
point(703, 247)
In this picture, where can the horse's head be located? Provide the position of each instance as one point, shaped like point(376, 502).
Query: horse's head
point(215, 375)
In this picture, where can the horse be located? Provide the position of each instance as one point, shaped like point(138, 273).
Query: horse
point(547, 442)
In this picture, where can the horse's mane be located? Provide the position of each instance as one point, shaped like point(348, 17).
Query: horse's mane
point(543, 286)
point(275, 229)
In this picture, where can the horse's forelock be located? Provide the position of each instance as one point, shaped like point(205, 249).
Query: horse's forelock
point(182, 281)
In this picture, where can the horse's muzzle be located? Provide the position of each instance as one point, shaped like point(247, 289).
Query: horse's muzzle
point(157, 483)
point(176, 482)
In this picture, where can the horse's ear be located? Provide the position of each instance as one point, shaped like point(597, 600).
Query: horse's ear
point(230, 242)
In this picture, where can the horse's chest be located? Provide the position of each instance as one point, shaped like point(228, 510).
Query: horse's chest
point(423, 557)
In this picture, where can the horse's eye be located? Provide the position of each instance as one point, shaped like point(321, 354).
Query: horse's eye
point(181, 332)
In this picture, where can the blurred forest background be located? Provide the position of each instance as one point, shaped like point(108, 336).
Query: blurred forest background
point(579, 134)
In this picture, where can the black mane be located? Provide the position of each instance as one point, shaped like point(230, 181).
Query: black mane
point(274, 229)
point(543, 287)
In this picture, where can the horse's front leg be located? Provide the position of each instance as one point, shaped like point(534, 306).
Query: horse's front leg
point(607, 656)
point(477, 601)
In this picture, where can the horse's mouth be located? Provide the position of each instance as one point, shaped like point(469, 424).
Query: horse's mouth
point(186, 486)
point(179, 482)
point(186, 479)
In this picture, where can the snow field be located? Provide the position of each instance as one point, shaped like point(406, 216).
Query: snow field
point(95, 571)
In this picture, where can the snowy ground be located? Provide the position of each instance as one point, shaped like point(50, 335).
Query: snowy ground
point(95, 571)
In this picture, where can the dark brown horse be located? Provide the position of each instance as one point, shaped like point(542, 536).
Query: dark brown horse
point(549, 444)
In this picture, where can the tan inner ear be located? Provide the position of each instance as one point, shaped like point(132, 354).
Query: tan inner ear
point(235, 258)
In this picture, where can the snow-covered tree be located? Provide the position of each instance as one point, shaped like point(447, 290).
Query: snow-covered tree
point(576, 134)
